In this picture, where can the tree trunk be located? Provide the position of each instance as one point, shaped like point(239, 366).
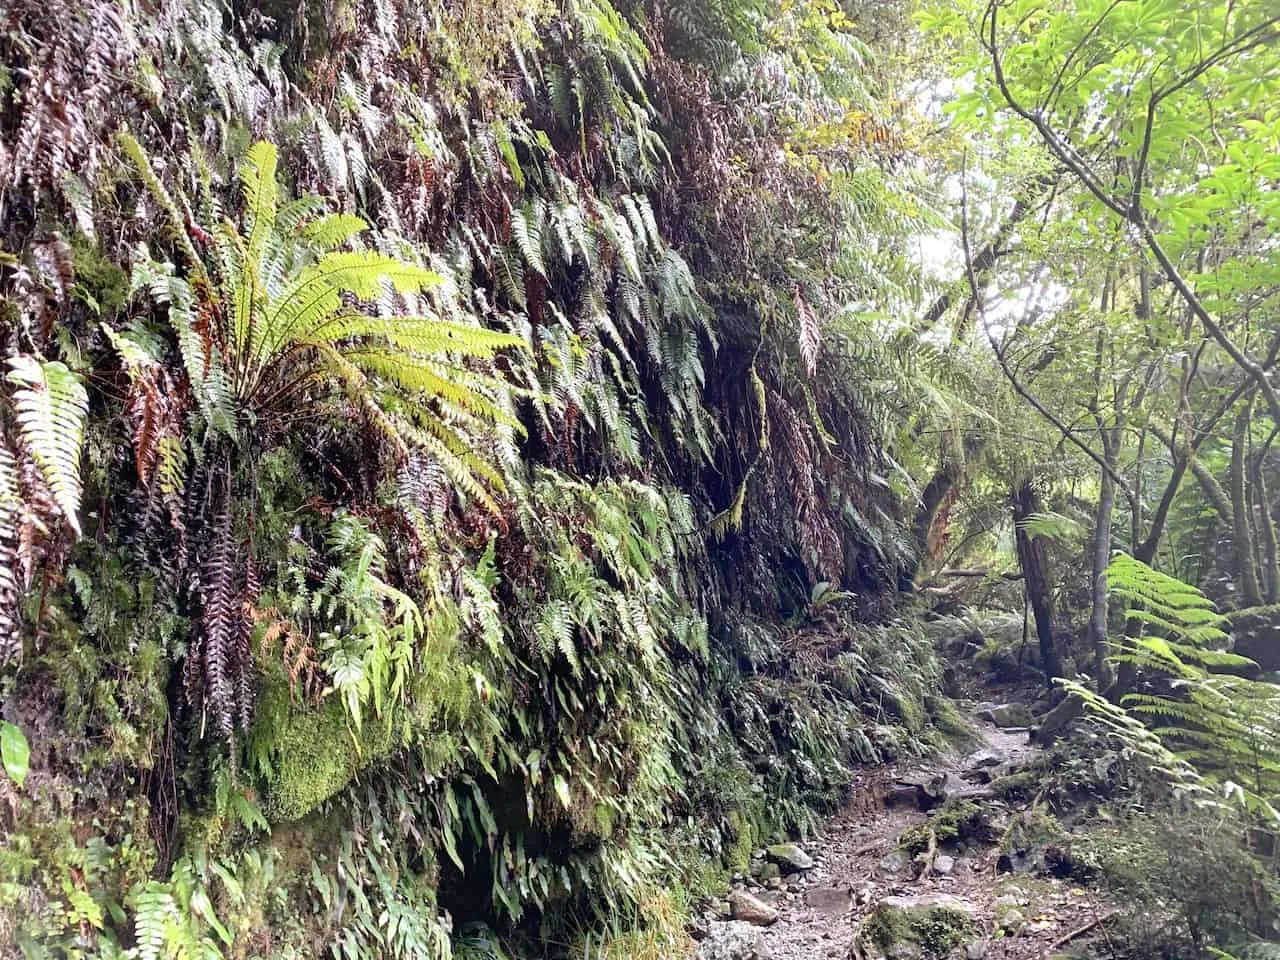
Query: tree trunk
point(1267, 530)
point(1034, 559)
point(1241, 527)
point(935, 494)
point(1098, 592)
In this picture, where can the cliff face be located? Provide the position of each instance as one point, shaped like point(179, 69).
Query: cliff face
point(442, 468)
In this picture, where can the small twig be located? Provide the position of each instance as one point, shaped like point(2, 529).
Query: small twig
point(1079, 932)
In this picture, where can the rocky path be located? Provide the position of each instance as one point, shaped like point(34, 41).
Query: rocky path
point(866, 893)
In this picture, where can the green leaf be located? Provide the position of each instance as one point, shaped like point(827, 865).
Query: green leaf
point(14, 752)
point(562, 791)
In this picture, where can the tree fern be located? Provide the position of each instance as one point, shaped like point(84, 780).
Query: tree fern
point(1189, 718)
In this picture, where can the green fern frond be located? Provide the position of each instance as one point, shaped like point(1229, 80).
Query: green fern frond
point(51, 405)
point(527, 225)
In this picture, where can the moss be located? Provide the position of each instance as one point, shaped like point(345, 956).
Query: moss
point(955, 820)
point(935, 927)
point(1036, 843)
point(1017, 787)
point(949, 722)
point(312, 753)
point(1030, 829)
point(943, 930)
point(887, 926)
point(739, 842)
point(98, 280)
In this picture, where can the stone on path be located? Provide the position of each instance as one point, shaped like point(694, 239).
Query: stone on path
point(733, 941)
point(928, 902)
point(1008, 715)
point(944, 864)
point(789, 857)
point(743, 906)
point(894, 862)
point(828, 901)
point(924, 791)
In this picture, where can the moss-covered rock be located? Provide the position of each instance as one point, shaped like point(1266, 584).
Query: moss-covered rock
point(1036, 843)
point(312, 752)
point(931, 925)
point(955, 820)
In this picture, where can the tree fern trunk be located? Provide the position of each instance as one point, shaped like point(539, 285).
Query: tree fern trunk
point(1034, 560)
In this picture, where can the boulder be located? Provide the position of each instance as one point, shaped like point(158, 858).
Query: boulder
point(733, 941)
point(743, 906)
point(789, 857)
point(943, 864)
point(768, 871)
point(929, 925)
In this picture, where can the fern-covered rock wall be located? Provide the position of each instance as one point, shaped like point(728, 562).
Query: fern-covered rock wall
point(444, 465)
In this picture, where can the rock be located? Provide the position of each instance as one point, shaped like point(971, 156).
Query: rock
point(774, 883)
point(789, 857)
point(929, 902)
point(976, 950)
point(743, 906)
point(793, 888)
point(733, 941)
point(1009, 715)
point(928, 925)
point(893, 863)
point(755, 868)
point(1011, 922)
point(902, 795)
point(768, 872)
point(924, 791)
point(828, 901)
point(943, 864)
point(1036, 843)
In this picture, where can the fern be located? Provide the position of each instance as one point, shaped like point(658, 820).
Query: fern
point(527, 226)
point(286, 289)
point(10, 590)
point(51, 405)
point(1212, 734)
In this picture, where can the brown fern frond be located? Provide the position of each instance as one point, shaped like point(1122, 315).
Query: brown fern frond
point(10, 590)
point(223, 642)
point(297, 654)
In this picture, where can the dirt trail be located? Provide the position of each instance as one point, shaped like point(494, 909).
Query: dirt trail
point(859, 864)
